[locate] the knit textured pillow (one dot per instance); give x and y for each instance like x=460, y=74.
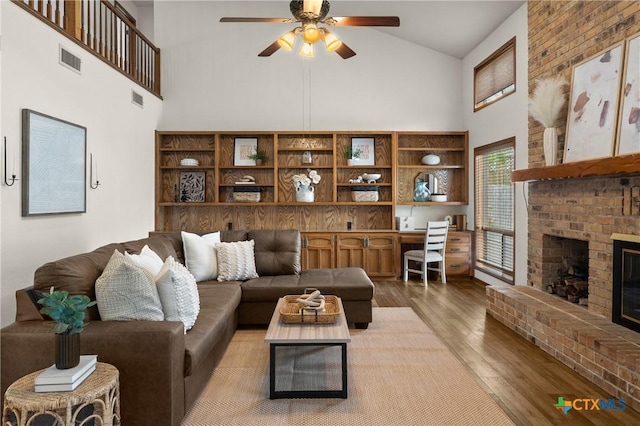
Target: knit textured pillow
x=178, y=293
x=125, y=291
x=236, y=261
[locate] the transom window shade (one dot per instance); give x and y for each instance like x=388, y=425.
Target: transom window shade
x=494, y=211
x=496, y=76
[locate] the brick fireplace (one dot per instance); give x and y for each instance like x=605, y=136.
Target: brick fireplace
x=583, y=209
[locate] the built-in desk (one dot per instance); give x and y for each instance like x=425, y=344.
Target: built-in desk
x=458, y=252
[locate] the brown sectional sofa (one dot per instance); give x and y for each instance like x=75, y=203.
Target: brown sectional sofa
x=162, y=369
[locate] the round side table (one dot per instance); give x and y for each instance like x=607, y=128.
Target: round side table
x=101, y=390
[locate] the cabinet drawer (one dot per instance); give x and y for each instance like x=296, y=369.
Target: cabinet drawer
x=459, y=238
x=457, y=248
x=457, y=266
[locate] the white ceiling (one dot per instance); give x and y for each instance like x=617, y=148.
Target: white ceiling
x=453, y=27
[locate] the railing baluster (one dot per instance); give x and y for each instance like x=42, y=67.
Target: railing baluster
x=57, y=14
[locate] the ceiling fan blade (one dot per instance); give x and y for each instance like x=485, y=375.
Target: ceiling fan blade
x=366, y=21
x=276, y=20
x=273, y=47
x=345, y=51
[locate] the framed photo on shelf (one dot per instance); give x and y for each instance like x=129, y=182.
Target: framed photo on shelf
x=629, y=120
x=53, y=165
x=192, y=185
x=593, y=106
x=366, y=147
x=243, y=149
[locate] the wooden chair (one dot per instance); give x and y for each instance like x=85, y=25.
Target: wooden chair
x=435, y=240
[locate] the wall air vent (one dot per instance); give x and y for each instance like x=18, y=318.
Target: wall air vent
x=69, y=60
x=137, y=99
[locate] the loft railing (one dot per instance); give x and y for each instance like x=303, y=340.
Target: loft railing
x=104, y=31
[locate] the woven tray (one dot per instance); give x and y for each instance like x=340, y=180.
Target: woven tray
x=291, y=312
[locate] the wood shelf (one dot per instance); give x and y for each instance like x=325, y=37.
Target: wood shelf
x=611, y=166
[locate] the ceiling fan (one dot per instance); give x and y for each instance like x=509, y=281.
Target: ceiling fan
x=310, y=13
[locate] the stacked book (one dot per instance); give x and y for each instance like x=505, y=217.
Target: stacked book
x=55, y=380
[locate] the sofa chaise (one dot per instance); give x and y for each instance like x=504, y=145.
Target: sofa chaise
x=162, y=368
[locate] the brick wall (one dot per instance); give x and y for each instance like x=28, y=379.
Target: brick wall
x=562, y=34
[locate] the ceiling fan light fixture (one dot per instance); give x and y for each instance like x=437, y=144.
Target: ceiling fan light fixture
x=306, y=50
x=287, y=40
x=332, y=42
x=310, y=33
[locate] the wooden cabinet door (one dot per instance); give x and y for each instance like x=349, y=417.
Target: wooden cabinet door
x=351, y=251
x=380, y=255
x=317, y=251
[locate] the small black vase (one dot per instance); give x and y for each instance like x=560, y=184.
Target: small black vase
x=67, y=350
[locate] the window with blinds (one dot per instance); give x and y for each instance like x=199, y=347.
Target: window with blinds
x=494, y=209
x=495, y=77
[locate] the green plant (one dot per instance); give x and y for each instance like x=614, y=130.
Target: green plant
x=67, y=311
x=351, y=153
x=259, y=155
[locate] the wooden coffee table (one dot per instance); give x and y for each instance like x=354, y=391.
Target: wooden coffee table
x=281, y=334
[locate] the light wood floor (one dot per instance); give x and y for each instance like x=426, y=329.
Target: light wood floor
x=525, y=381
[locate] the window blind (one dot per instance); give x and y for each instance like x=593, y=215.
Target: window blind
x=495, y=77
x=494, y=209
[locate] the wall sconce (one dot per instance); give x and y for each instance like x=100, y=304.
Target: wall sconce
x=13, y=176
x=97, y=184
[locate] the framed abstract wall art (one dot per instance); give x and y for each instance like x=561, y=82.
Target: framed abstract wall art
x=53, y=165
x=243, y=149
x=593, y=106
x=629, y=120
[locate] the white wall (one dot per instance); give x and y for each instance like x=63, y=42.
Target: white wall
x=119, y=134
x=214, y=80
x=503, y=119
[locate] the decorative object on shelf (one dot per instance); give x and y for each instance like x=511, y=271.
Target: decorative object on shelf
x=461, y=222
x=192, y=186
x=431, y=160
x=367, y=150
x=593, y=106
x=307, y=158
x=544, y=106
x=629, y=126
x=352, y=154
x=304, y=190
x=259, y=156
x=54, y=165
x=421, y=191
x=371, y=177
x=189, y=162
x=246, y=180
x=247, y=194
x=176, y=194
x=364, y=193
x=243, y=150
x=68, y=312
x=438, y=197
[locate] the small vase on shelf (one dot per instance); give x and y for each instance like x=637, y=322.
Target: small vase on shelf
x=421, y=193
x=550, y=146
x=305, y=194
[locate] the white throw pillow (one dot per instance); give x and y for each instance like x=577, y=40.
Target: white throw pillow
x=200, y=255
x=147, y=259
x=178, y=293
x=236, y=261
x=125, y=291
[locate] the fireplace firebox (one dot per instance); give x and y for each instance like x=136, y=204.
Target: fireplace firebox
x=626, y=281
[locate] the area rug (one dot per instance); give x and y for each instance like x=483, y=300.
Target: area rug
x=400, y=373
